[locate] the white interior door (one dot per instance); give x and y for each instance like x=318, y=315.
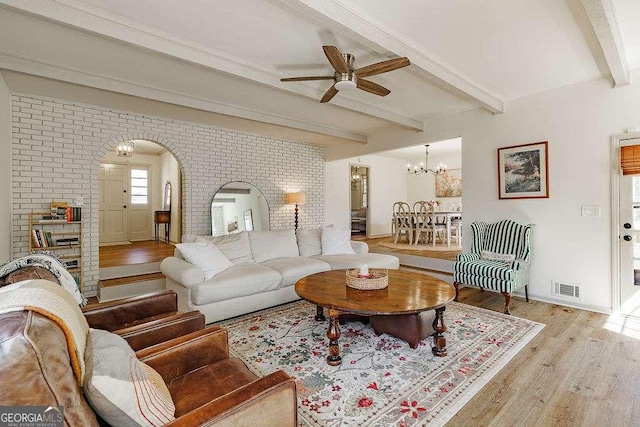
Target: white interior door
x=113, y=200
x=139, y=209
x=629, y=242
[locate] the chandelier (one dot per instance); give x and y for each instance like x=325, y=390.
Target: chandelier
x=424, y=167
x=355, y=174
x=125, y=149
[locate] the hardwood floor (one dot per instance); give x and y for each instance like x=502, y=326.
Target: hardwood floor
x=135, y=253
x=574, y=373
x=374, y=246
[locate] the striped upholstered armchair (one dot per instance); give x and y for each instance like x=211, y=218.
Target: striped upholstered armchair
x=499, y=259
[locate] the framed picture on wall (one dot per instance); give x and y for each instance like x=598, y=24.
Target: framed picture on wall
x=523, y=171
x=449, y=184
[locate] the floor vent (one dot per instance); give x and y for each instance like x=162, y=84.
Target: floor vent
x=567, y=290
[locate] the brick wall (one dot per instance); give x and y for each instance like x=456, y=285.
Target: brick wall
x=58, y=146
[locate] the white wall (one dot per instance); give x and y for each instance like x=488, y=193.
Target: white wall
x=388, y=184
x=170, y=171
x=5, y=172
x=578, y=122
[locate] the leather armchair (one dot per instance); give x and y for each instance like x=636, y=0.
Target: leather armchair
x=208, y=387
x=144, y=320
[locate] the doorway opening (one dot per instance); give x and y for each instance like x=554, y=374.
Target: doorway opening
x=359, y=200
x=132, y=191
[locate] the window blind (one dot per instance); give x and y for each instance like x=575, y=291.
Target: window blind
x=630, y=159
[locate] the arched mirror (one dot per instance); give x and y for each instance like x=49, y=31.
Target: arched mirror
x=238, y=206
x=167, y=197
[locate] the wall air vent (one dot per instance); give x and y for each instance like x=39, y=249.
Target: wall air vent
x=567, y=290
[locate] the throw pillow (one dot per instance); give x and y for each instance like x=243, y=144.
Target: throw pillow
x=336, y=241
x=207, y=256
x=495, y=256
x=118, y=386
x=268, y=245
x=309, y=241
x=234, y=246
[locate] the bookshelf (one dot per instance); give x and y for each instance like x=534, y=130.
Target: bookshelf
x=61, y=237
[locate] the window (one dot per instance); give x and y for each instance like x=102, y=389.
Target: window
x=139, y=187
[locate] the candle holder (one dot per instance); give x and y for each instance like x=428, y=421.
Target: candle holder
x=378, y=279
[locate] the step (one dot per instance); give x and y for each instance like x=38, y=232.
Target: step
x=128, y=270
x=124, y=287
x=434, y=264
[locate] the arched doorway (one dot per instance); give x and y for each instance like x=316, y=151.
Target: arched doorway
x=131, y=189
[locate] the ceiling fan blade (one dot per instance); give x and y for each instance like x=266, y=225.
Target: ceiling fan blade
x=300, y=79
x=335, y=58
x=382, y=67
x=372, y=87
x=329, y=94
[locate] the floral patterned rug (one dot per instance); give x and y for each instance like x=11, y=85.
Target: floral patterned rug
x=381, y=381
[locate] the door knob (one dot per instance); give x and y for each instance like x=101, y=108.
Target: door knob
x=627, y=238
x=627, y=225
x=125, y=206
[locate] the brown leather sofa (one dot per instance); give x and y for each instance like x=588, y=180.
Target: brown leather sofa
x=144, y=320
x=207, y=386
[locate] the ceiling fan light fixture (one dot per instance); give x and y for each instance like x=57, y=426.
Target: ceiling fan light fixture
x=345, y=85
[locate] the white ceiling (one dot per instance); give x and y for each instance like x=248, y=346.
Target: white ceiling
x=440, y=148
x=227, y=57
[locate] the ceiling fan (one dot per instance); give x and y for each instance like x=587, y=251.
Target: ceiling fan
x=347, y=78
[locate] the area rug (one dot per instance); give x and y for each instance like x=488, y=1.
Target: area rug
x=381, y=380
x=420, y=246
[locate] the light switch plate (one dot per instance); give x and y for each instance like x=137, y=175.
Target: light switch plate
x=591, y=210
x=78, y=201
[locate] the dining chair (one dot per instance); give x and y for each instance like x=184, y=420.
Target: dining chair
x=402, y=221
x=425, y=223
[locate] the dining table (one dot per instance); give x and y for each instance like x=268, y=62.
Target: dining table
x=448, y=216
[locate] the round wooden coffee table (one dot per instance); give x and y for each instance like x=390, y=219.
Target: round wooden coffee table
x=407, y=293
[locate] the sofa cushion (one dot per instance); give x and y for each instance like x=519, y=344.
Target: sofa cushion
x=206, y=256
x=222, y=377
x=267, y=245
x=309, y=241
x=234, y=246
x=238, y=281
x=295, y=268
x=118, y=387
x=336, y=241
x=340, y=262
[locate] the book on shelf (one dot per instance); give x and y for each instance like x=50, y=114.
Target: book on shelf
x=58, y=208
x=74, y=213
x=71, y=264
x=41, y=239
x=52, y=220
x=66, y=241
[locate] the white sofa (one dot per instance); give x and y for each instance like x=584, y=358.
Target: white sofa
x=266, y=265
